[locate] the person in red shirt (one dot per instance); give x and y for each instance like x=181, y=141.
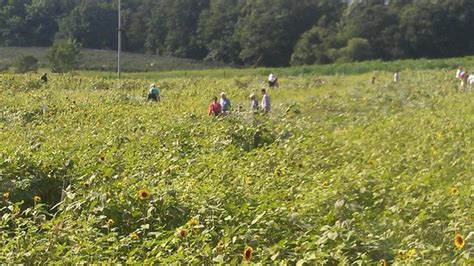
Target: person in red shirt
x=214, y=108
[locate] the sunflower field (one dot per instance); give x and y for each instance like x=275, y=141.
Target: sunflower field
x=342, y=171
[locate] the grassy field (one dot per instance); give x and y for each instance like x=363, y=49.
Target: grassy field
x=105, y=59
x=375, y=67
x=347, y=172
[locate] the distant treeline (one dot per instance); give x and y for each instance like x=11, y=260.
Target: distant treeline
x=250, y=32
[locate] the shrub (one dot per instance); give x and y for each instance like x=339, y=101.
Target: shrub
x=64, y=56
x=357, y=49
x=25, y=64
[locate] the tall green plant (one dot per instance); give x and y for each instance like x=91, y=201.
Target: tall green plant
x=64, y=56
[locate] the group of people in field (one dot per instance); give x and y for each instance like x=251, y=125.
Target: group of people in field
x=465, y=78
x=223, y=106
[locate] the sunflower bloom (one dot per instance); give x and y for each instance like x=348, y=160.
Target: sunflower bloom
x=248, y=254
x=383, y=262
x=411, y=253
x=402, y=254
x=6, y=196
x=110, y=222
x=454, y=190
x=182, y=233
x=220, y=246
x=193, y=222
x=248, y=180
x=143, y=194
x=37, y=199
x=134, y=236
x=459, y=241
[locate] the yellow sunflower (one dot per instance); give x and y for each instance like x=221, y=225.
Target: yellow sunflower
x=454, y=190
x=383, y=262
x=110, y=222
x=248, y=251
x=248, y=180
x=220, y=246
x=459, y=241
x=182, y=233
x=402, y=254
x=37, y=199
x=411, y=253
x=134, y=236
x=6, y=196
x=143, y=194
x=194, y=221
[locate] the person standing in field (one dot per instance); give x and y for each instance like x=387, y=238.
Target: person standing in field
x=273, y=81
x=225, y=103
x=464, y=79
x=154, y=93
x=44, y=78
x=470, y=79
x=266, y=105
x=253, y=103
x=214, y=107
x=396, y=76
x=459, y=71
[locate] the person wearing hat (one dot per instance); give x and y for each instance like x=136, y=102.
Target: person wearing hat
x=253, y=103
x=225, y=103
x=154, y=93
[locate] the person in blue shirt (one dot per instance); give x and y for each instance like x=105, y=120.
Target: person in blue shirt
x=225, y=103
x=154, y=93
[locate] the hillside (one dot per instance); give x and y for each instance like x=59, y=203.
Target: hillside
x=266, y=33
x=107, y=60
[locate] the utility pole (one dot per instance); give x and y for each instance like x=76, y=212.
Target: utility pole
x=119, y=46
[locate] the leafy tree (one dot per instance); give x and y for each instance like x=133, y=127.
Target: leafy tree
x=64, y=56
x=216, y=30
x=380, y=30
x=251, y=32
x=25, y=64
x=357, y=49
x=313, y=47
x=91, y=23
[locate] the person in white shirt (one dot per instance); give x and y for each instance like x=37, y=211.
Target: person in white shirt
x=470, y=79
x=396, y=76
x=272, y=80
x=458, y=72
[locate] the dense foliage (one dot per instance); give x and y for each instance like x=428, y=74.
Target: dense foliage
x=64, y=56
x=26, y=64
x=342, y=171
x=252, y=32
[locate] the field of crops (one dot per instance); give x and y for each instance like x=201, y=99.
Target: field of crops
x=338, y=173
